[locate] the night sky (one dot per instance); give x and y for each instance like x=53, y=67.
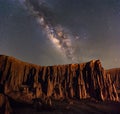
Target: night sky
x=48, y=32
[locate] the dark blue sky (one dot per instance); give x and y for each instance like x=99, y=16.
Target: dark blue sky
x=93, y=24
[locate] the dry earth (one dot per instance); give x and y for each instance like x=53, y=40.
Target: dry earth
x=73, y=107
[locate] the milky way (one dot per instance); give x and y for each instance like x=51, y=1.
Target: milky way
x=56, y=33
x=49, y=32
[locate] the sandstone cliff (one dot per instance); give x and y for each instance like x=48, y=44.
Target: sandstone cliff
x=79, y=81
x=115, y=76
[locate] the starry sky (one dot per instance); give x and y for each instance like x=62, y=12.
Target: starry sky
x=92, y=28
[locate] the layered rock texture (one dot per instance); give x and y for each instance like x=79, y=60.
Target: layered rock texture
x=79, y=81
x=115, y=76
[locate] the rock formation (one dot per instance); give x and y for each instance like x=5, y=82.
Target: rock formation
x=115, y=76
x=79, y=81
x=5, y=107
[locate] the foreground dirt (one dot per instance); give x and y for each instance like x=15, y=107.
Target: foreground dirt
x=73, y=107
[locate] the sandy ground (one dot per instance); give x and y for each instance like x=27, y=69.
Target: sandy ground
x=75, y=107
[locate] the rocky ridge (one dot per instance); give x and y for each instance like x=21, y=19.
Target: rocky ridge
x=79, y=81
x=115, y=76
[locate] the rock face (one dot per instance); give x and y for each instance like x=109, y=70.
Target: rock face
x=5, y=107
x=78, y=81
x=115, y=76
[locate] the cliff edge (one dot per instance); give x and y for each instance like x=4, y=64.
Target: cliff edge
x=79, y=81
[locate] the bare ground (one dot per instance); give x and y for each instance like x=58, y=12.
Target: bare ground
x=74, y=107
